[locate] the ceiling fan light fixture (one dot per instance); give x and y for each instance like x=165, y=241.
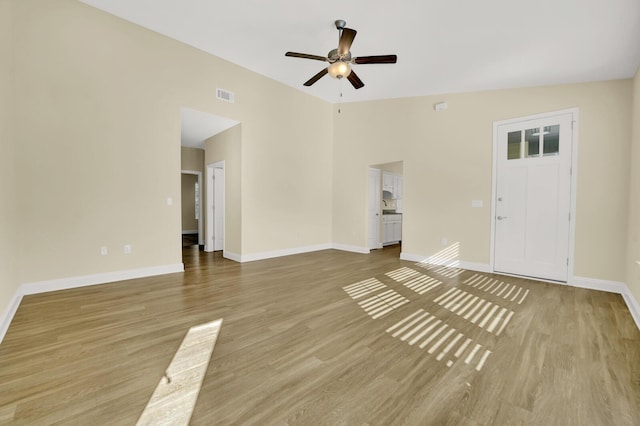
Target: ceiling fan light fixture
x=339, y=69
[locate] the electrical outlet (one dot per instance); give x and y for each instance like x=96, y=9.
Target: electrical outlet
x=444, y=241
x=127, y=249
x=104, y=251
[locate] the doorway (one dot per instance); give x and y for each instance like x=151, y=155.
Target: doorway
x=385, y=205
x=533, y=196
x=215, y=230
x=191, y=195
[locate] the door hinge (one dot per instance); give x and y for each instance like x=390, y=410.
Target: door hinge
x=567, y=261
x=569, y=216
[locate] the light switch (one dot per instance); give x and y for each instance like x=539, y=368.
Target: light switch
x=169, y=201
x=476, y=203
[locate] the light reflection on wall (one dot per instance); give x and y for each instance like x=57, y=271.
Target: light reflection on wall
x=449, y=256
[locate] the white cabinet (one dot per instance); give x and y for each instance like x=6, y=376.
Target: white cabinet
x=393, y=184
x=388, y=181
x=391, y=228
x=397, y=187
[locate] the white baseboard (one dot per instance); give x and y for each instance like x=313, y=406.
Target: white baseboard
x=633, y=306
x=475, y=266
x=9, y=313
x=353, y=249
x=80, y=281
x=611, y=287
x=288, y=252
x=279, y=253
x=107, y=277
x=412, y=257
x=231, y=256
x=601, y=285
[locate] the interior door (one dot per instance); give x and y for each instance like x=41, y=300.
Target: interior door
x=533, y=197
x=375, y=194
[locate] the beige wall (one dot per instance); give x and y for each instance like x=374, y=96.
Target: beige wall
x=8, y=177
x=633, y=253
x=286, y=173
x=225, y=147
x=188, y=203
x=192, y=159
x=99, y=102
x=448, y=163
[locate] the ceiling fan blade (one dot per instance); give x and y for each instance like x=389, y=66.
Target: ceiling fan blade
x=379, y=59
x=355, y=80
x=345, y=40
x=306, y=56
x=316, y=77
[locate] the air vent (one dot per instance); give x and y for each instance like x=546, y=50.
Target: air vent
x=225, y=95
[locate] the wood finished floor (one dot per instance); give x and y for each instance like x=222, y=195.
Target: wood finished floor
x=326, y=338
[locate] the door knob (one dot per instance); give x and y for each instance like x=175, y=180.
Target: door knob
x=501, y=217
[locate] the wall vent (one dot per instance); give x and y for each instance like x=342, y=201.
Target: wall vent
x=225, y=95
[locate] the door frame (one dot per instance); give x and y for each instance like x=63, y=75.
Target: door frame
x=200, y=220
x=209, y=245
x=371, y=203
x=573, y=183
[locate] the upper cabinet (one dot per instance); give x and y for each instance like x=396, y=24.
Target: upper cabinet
x=397, y=187
x=393, y=184
x=388, y=181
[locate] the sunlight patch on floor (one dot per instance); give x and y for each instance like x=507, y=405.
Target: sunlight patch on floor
x=383, y=303
x=174, y=399
x=507, y=291
x=363, y=288
x=430, y=333
x=476, y=310
x=414, y=280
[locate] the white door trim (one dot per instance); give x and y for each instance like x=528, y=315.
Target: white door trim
x=374, y=204
x=574, y=175
x=210, y=203
x=199, y=174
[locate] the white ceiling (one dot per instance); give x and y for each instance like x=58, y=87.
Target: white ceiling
x=197, y=126
x=442, y=46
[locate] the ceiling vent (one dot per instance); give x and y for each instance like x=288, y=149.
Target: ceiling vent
x=225, y=95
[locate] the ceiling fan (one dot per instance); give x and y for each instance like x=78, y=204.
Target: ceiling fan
x=340, y=59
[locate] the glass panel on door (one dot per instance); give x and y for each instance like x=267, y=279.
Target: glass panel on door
x=532, y=142
x=513, y=145
x=551, y=140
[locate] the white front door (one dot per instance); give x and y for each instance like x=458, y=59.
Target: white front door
x=533, y=197
x=374, y=209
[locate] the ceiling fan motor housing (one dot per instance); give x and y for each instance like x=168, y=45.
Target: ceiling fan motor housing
x=334, y=56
